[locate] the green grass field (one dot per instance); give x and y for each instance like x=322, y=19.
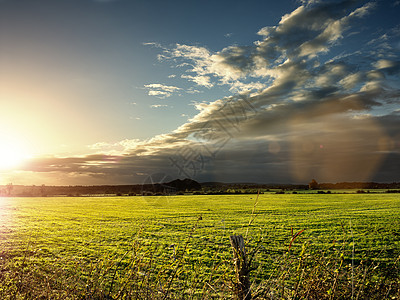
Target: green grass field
x=178, y=246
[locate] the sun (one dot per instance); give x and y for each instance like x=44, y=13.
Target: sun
x=12, y=153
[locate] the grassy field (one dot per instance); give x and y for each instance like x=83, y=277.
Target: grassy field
x=178, y=247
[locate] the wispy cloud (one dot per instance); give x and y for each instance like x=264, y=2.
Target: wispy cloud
x=199, y=80
x=158, y=105
x=161, y=90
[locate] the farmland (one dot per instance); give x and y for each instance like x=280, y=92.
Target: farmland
x=178, y=246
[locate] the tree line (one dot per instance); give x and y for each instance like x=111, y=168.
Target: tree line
x=182, y=186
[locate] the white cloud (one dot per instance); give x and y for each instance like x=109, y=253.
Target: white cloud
x=364, y=10
x=384, y=63
x=158, y=105
x=161, y=90
x=241, y=87
x=190, y=52
x=118, y=148
x=168, y=88
x=199, y=80
x=156, y=45
x=99, y=145
x=350, y=81
x=162, y=94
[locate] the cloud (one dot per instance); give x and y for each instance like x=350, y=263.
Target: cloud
x=161, y=90
x=199, y=80
x=292, y=81
x=313, y=28
x=295, y=114
x=193, y=91
x=158, y=105
x=153, y=44
x=118, y=148
x=312, y=143
x=164, y=91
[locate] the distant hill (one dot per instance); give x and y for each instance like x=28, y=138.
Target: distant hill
x=185, y=184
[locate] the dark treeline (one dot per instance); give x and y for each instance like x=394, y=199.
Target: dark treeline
x=180, y=187
x=172, y=187
x=359, y=185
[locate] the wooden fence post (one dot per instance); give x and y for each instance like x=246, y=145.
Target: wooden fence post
x=242, y=289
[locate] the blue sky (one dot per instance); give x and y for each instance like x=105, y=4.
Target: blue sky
x=112, y=92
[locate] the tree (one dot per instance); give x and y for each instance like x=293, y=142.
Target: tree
x=43, y=190
x=9, y=188
x=313, y=185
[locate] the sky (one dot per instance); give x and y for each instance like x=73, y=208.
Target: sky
x=126, y=92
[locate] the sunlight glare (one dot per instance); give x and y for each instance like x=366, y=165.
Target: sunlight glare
x=12, y=152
